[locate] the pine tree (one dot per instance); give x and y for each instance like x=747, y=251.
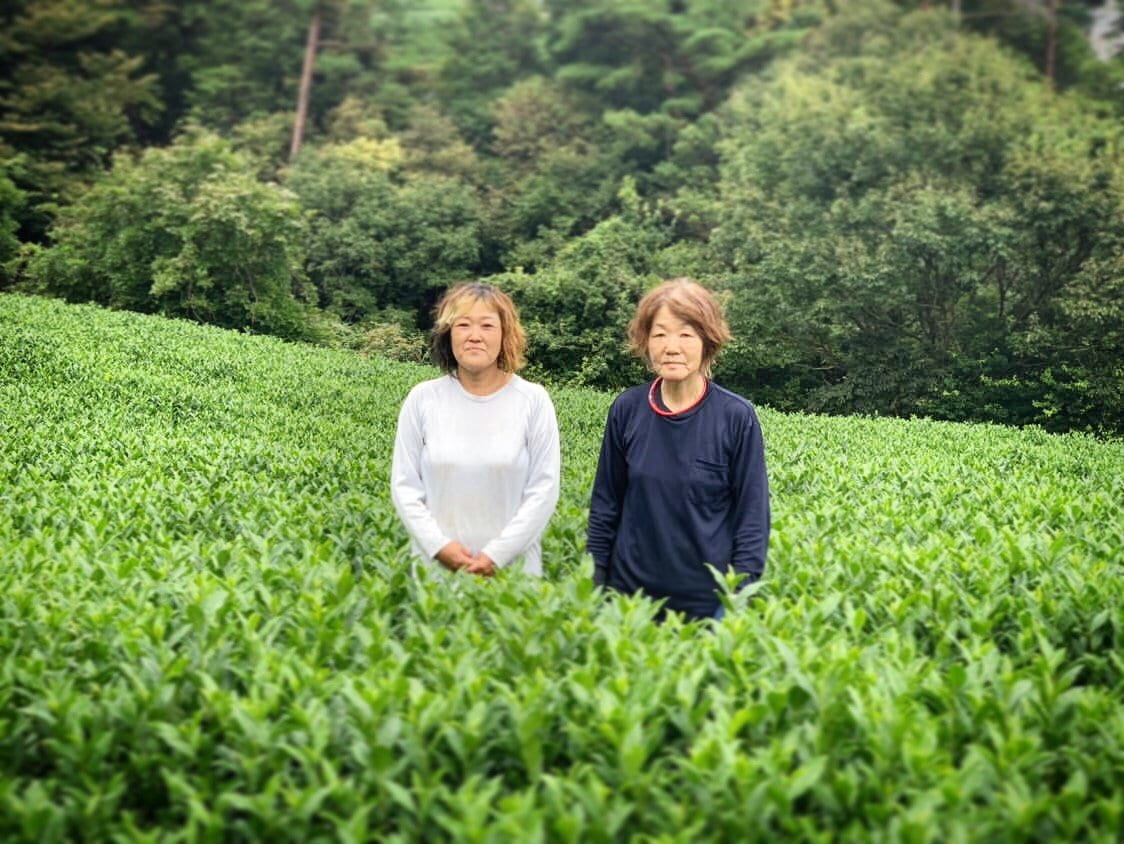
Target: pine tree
x=69, y=96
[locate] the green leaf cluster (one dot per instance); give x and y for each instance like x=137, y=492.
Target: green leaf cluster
x=380, y=235
x=72, y=91
x=184, y=231
x=909, y=226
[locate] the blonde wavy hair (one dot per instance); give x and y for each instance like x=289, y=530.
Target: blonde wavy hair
x=456, y=302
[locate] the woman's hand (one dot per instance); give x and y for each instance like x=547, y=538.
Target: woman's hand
x=482, y=565
x=454, y=556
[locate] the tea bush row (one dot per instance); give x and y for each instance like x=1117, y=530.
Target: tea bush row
x=209, y=630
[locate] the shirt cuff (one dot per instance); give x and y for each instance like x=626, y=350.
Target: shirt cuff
x=499, y=559
x=433, y=545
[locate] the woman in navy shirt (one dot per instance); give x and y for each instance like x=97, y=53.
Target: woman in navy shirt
x=681, y=479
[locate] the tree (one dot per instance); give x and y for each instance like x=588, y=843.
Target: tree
x=907, y=225
x=549, y=182
x=12, y=202
x=492, y=45
x=306, y=83
x=184, y=231
x=1052, y=34
x=644, y=74
x=576, y=309
x=242, y=59
x=433, y=144
x=677, y=57
x=69, y=96
x=380, y=237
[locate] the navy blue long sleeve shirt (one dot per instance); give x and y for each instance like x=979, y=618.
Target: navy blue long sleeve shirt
x=673, y=493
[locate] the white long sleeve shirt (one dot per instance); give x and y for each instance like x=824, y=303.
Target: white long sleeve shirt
x=481, y=470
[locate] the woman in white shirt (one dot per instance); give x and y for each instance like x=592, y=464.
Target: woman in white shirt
x=476, y=467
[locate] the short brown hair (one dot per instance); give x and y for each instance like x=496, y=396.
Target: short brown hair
x=459, y=300
x=693, y=304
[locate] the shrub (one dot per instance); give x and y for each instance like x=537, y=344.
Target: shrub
x=184, y=231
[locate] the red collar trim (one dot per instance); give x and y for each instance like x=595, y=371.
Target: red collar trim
x=652, y=399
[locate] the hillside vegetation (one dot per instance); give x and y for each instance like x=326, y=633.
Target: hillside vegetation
x=208, y=630
x=912, y=207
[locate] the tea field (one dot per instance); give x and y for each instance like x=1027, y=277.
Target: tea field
x=209, y=632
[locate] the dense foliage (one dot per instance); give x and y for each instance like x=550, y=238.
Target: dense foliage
x=916, y=226
x=209, y=629
x=187, y=231
x=913, y=211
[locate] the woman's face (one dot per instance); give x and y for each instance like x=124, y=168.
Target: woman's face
x=476, y=338
x=674, y=347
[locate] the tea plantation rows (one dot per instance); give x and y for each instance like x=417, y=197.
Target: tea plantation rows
x=208, y=630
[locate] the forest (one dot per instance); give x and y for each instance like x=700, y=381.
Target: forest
x=910, y=208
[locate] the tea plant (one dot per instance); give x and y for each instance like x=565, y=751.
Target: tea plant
x=208, y=629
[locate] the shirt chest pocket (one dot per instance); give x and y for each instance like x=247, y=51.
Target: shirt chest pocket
x=709, y=485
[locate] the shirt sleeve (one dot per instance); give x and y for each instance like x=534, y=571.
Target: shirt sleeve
x=540, y=495
x=609, y=487
x=751, y=502
x=406, y=488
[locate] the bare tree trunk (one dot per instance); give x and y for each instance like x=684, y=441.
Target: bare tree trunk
x=1051, y=40
x=955, y=6
x=306, y=84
